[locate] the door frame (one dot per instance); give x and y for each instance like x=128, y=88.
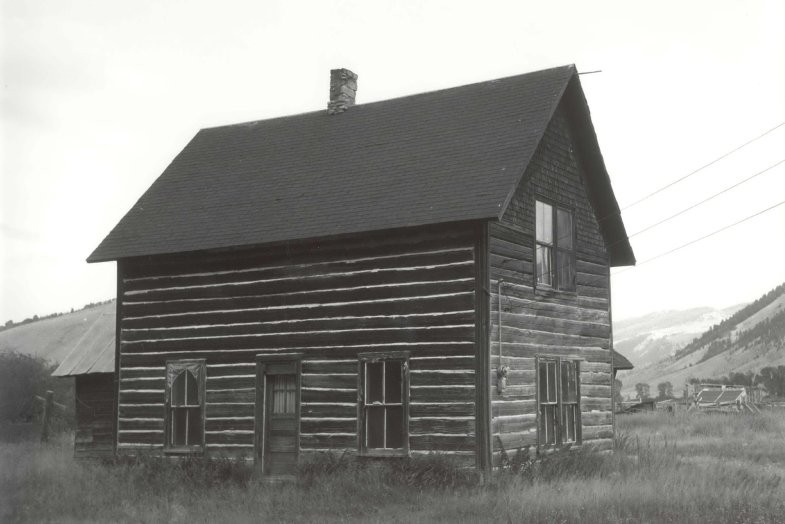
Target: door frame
x=264, y=364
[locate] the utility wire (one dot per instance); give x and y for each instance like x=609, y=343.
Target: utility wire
x=701, y=238
x=701, y=202
x=685, y=177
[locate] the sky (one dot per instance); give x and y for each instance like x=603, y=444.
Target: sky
x=98, y=97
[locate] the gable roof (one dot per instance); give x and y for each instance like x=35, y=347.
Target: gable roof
x=444, y=156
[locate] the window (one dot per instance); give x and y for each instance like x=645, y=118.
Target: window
x=554, y=244
x=384, y=404
x=558, y=401
x=185, y=405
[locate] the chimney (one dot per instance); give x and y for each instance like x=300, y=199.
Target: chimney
x=343, y=88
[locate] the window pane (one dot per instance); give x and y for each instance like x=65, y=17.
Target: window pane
x=392, y=381
x=551, y=381
x=544, y=220
x=284, y=388
x=544, y=274
x=194, y=427
x=179, y=423
x=565, y=267
x=569, y=423
x=373, y=382
x=543, y=380
x=395, y=427
x=178, y=390
x=568, y=382
x=564, y=228
x=374, y=427
x=547, y=425
x=191, y=389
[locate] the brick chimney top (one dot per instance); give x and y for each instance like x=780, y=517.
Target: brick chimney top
x=343, y=89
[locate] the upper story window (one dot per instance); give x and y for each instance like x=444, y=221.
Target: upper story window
x=384, y=401
x=185, y=381
x=555, y=247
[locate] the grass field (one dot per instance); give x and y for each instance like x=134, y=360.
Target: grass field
x=683, y=468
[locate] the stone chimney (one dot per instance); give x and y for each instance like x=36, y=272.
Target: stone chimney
x=343, y=88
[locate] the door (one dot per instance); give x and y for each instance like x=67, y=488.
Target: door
x=278, y=417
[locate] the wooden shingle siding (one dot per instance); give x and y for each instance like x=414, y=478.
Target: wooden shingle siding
x=329, y=301
x=538, y=321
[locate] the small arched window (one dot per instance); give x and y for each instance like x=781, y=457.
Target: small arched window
x=185, y=405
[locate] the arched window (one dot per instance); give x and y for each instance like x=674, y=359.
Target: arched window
x=185, y=405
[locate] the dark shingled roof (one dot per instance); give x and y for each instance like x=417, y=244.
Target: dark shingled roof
x=443, y=156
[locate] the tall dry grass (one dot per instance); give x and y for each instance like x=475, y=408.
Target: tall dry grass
x=682, y=468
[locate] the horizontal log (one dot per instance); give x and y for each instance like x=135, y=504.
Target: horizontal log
x=141, y=396
x=140, y=437
x=510, y=233
x=329, y=366
x=423, y=394
x=461, y=378
x=462, y=425
x=414, y=292
x=512, y=441
x=513, y=407
x=516, y=377
x=297, y=340
x=238, y=453
x=330, y=381
x=520, y=273
x=230, y=409
x=531, y=350
x=448, y=409
x=519, y=392
x=565, y=326
x=284, y=270
x=141, y=411
x=217, y=438
x=144, y=372
x=247, y=367
x=550, y=296
x=513, y=334
x=328, y=395
x=518, y=363
x=595, y=391
x=300, y=326
x=592, y=268
x=514, y=424
x=321, y=410
x=229, y=423
x=439, y=443
x=125, y=424
x=423, y=363
x=595, y=404
x=328, y=425
x=600, y=366
x=591, y=291
x=462, y=348
x=231, y=382
x=595, y=378
x=587, y=279
x=508, y=249
x=518, y=306
x=596, y=418
x=328, y=441
x=246, y=395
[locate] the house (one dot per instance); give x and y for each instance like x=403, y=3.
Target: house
x=719, y=397
x=423, y=274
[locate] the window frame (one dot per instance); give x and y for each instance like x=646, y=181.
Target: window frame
x=401, y=357
x=560, y=402
x=554, y=248
x=175, y=368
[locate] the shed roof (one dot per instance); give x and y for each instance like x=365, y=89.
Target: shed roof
x=443, y=156
x=94, y=352
x=620, y=361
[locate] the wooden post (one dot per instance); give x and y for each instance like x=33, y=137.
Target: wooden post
x=48, y=405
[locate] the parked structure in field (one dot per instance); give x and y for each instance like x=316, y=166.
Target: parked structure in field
x=720, y=397
x=423, y=274
x=91, y=362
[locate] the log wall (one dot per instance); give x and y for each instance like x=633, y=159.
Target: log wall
x=94, y=411
x=413, y=291
x=537, y=321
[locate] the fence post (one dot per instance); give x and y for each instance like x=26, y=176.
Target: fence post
x=48, y=405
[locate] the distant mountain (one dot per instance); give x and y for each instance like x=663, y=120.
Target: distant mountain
x=745, y=340
x=54, y=337
x=653, y=337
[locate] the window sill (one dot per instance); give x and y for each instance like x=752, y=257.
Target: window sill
x=384, y=453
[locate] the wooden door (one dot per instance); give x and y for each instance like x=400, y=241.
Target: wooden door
x=278, y=422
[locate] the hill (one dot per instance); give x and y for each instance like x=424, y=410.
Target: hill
x=750, y=339
x=54, y=337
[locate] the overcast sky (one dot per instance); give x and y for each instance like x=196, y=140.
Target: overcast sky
x=98, y=97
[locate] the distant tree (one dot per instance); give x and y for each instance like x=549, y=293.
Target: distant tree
x=664, y=390
x=22, y=378
x=617, y=385
x=643, y=390
x=773, y=380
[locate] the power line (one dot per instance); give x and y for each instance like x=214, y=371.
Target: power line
x=698, y=170
x=702, y=238
x=701, y=202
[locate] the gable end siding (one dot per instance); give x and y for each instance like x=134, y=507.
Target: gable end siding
x=326, y=300
x=545, y=322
